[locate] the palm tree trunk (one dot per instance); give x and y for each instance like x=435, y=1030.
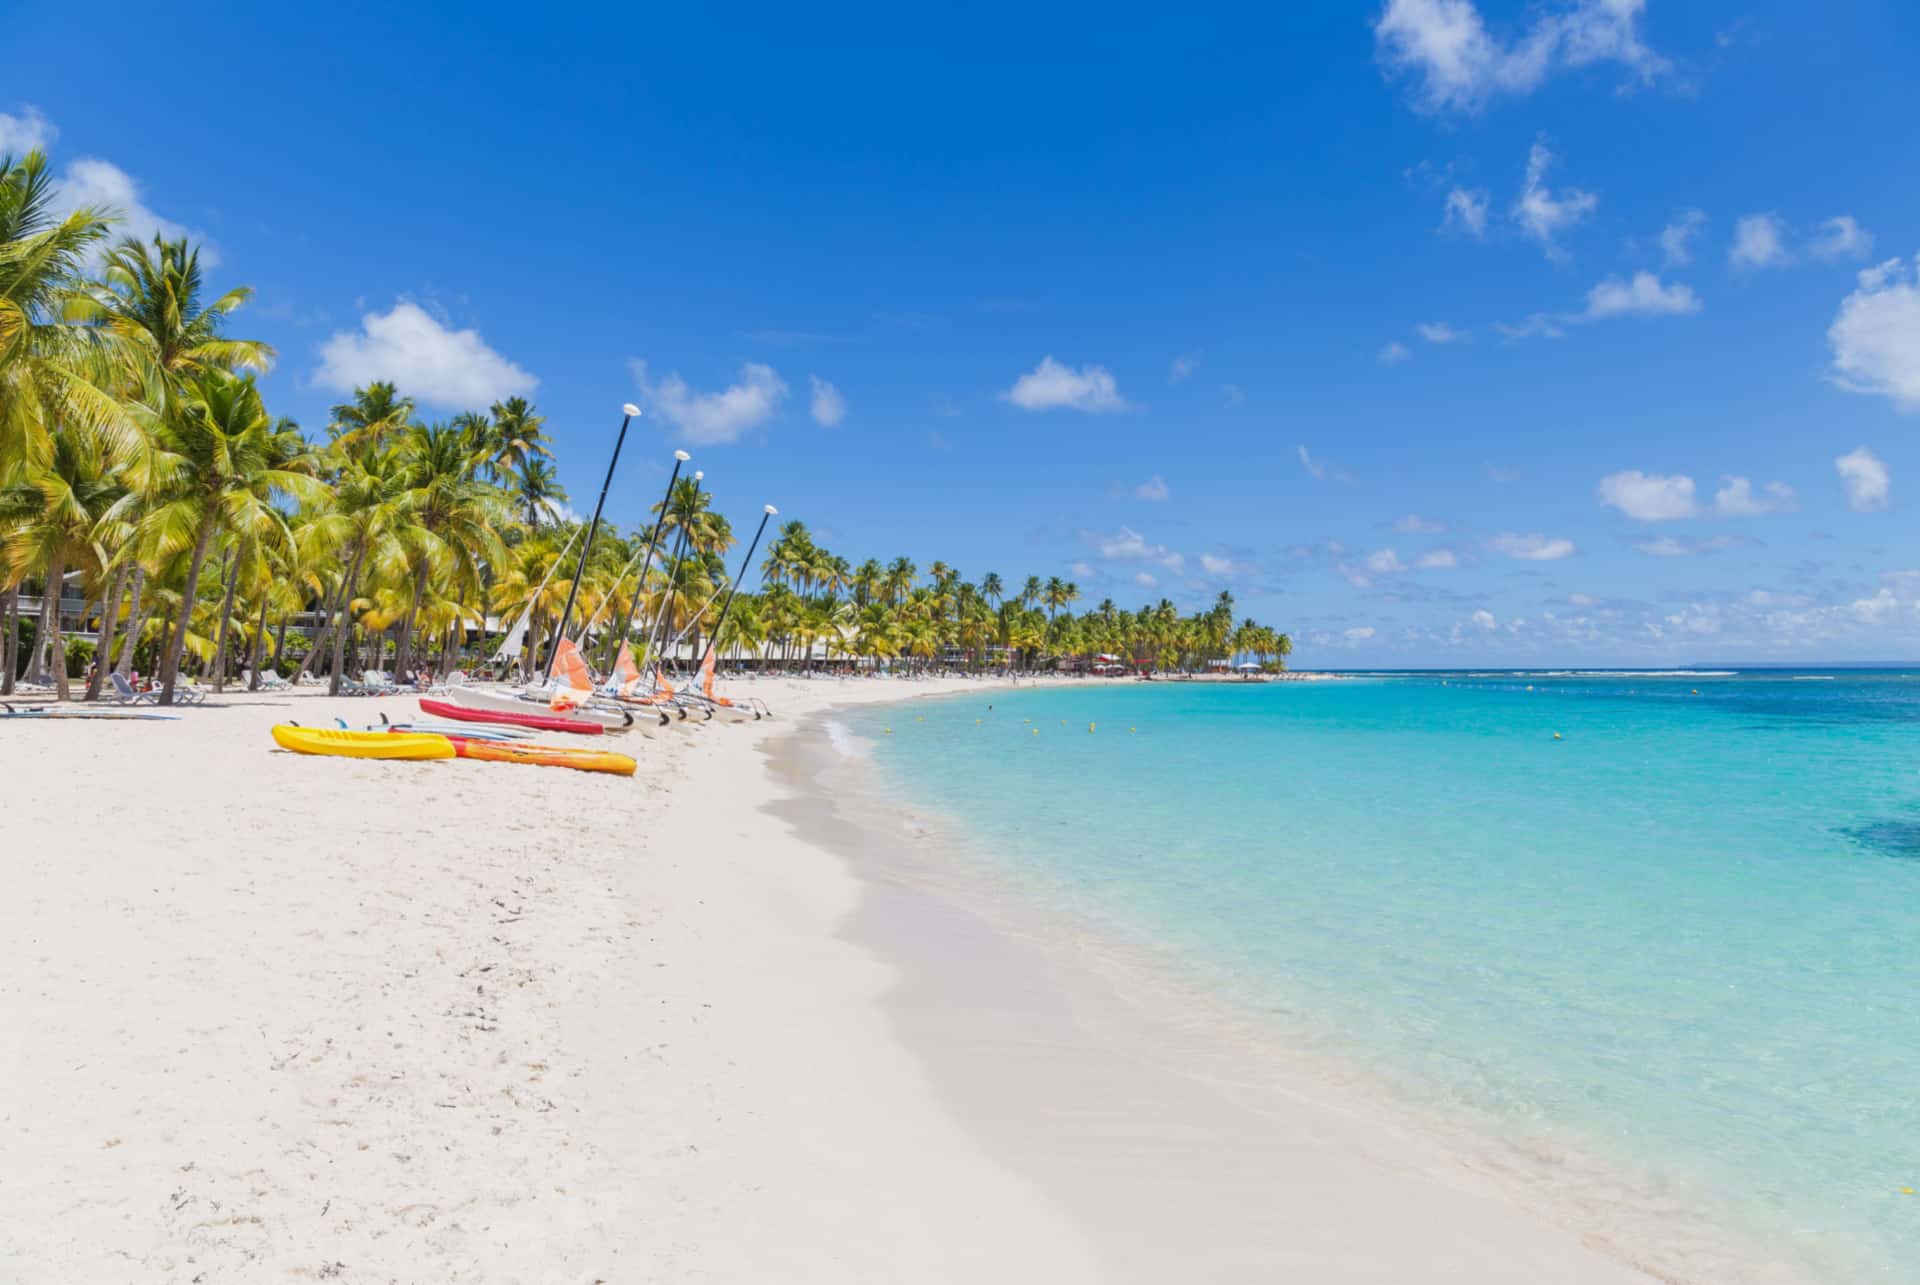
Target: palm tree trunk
x=10, y=641
x=56, y=647
x=259, y=645
x=109, y=629
x=226, y=622
x=170, y=669
x=135, y=623
x=49, y=596
x=341, y=624
x=403, y=655
x=280, y=640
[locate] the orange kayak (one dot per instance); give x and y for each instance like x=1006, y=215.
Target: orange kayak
x=583, y=760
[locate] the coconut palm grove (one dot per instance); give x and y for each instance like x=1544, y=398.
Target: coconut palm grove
x=206, y=536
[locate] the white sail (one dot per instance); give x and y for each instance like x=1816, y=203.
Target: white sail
x=516, y=639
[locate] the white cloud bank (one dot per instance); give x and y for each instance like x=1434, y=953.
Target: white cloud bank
x=1736, y=498
x=1392, y=353
x=1868, y=485
x=1460, y=65
x=1154, y=488
x=27, y=132
x=1533, y=547
x=1541, y=212
x=1648, y=497
x=1466, y=212
x=705, y=419
x=410, y=347
x=829, y=405
x=1052, y=386
x=1642, y=295
x=1876, y=336
x=1759, y=241
x=1676, y=239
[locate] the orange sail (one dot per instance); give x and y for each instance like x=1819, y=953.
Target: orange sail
x=575, y=679
x=623, y=667
x=706, y=681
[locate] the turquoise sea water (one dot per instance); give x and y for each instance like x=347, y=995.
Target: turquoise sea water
x=1684, y=938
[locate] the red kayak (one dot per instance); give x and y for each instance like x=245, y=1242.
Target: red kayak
x=545, y=722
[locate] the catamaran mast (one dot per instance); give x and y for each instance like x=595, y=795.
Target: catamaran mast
x=631, y=413
x=713, y=640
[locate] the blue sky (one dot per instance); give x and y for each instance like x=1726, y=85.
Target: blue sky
x=1441, y=332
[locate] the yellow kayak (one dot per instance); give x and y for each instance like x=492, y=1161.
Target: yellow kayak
x=362, y=745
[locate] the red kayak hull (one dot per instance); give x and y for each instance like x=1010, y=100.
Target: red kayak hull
x=545, y=722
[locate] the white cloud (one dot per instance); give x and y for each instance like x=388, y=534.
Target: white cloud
x=1485, y=619
x=1183, y=365
x=1128, y=545
x=1866, y=480
x=1737, y=499
x=1231, y=395
x=1466, y=211
x=1670, y=546
x=27, y=132
x=1543, y=215
x=1144, y=579
x=1392, y=353
x=410, y=347
x=1461, y=65
x=829, y=404
x=705, y=419
x=1154, y=488
x=1383, y=562
x=1533, y=547
x=1214, y=566
x=1676, y=239
x=90, y=181
x=1649, y=497
x=1414, y=524
x=1842, y=237
x=1082, y=569
x=1359, y=633
x=1437, y=560
x=1050, y=386
x=1643, y=296
x=1876, y=336
x=1759, y=241
x=1439, y=332
x=1320, y=470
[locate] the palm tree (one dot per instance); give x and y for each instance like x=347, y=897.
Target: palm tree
x=52, y=520
x=150, y=296
x=538, y=491
x=452, y=535
x=216, y=465
x=990, y=587
x=52, y=369
x=514, y=437
x=377, y=413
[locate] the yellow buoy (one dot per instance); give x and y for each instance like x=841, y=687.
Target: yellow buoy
x=1091, y=726
x=1036, y=731
x=889, y=731
x=1133, y=729
x=1556, y=736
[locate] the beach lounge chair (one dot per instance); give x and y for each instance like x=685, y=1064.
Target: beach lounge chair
x=188, y=692
x=123, y=693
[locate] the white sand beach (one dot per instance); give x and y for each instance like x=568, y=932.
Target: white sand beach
x=281, y=1018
